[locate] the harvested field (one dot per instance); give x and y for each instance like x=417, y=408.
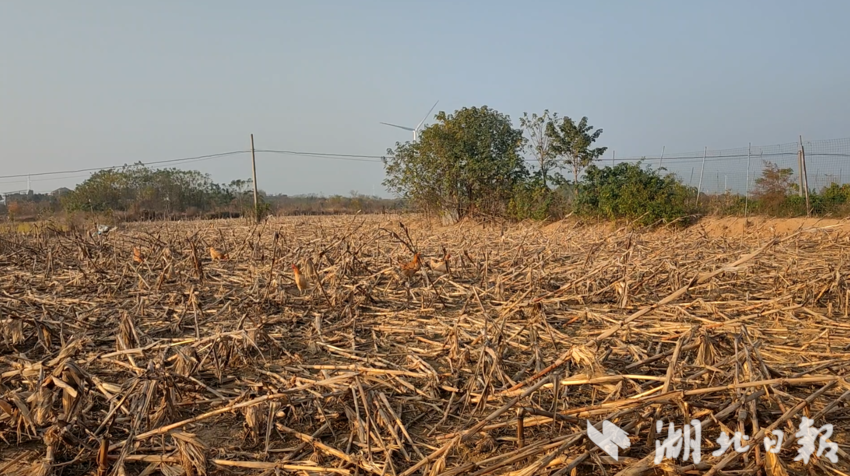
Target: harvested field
x=180, y=364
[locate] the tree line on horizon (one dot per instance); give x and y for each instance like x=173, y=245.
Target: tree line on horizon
x=136, y=192
x=470, y=163
x=474, y=162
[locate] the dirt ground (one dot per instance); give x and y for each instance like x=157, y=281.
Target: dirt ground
x=736, y=226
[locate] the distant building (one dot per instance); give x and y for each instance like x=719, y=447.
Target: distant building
x=60, y=192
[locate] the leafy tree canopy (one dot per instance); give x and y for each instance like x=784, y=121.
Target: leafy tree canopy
x=572, y=142
x=469, y=160
x=539, y=143
x=136, y=187
x=629, y=191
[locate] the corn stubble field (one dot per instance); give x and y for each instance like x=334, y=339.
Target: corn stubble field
x=180, y=364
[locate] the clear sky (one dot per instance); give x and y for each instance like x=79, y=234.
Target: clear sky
x=97, y=83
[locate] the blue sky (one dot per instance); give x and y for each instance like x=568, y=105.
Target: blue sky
x=98, y=83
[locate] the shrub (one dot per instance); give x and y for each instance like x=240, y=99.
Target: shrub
x=835, y=197
x=773, y=192
x=776, y=194
x=533, y=199
x=14, y=209
x=530, y=200
x=629, y=191
x=724, y=204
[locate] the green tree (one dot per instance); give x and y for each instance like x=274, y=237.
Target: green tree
x=540, y=144
x=243, y=196
x=573, y=143
x=466, y=161
x=138, y=188
x=104, y=190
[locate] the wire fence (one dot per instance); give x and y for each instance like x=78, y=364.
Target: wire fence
x=713, y=171
x=731, y=170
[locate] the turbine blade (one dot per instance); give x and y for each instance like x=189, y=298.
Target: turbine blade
x=400, y=127
x=426, y=115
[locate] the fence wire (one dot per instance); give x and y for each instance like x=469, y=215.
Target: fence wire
x=730, y=170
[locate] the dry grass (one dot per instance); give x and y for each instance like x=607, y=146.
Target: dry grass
x=28, y=227
x=183, y=365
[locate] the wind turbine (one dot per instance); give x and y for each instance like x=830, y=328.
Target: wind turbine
x=416, y=129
